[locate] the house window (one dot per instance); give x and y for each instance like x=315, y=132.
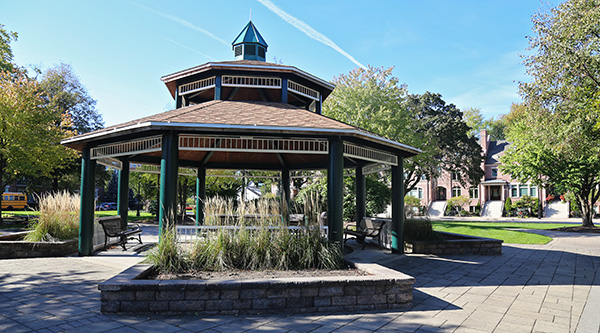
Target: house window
x=455, y=176
x=494, y=172
x=514, y=191
x=424, y=177
x=523, y=190
x=533, y=191
x=474, y=193
x=456, y=192
x=417, y=192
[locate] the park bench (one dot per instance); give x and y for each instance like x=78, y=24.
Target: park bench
x=112, y=228
x=368, y=227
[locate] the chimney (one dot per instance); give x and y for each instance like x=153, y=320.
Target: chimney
x=484, y=141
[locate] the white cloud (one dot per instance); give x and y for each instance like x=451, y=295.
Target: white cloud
x=308, y=30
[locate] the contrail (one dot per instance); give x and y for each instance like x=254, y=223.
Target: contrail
x=186, y=47
x=184, y=23
x=308, y=30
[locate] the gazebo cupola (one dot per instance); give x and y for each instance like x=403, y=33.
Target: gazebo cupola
x=250, y=45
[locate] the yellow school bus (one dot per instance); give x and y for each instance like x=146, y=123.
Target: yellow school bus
x=14, y=200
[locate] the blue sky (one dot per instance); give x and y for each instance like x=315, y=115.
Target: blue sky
x=468, y=51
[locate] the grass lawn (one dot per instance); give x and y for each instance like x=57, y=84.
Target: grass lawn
x=498, y=230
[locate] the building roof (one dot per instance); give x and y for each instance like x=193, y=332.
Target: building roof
x=241, y=116
x=495, y=151
x=244, y=65
x=249, y=35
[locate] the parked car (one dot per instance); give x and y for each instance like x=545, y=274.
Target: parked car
x=107, y=206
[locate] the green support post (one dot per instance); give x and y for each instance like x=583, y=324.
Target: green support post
x=285, y=184
x=200, y=195
x=86, y=212
x=218, y=88
x=335, y=190
x=123, y=194
x=361, y=194
x=284, y=90
x=168, y=180
x=398, y=207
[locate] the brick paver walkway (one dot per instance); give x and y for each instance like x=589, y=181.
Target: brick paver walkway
x=549, y=288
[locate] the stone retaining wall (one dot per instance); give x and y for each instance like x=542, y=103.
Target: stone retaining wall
x=457, y=244
x=11, y=248
x=383, y=289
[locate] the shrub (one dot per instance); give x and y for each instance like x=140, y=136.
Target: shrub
x=269, y=246
x=410, y=203
x=419, y=230
x=508, y=206
x=458, y=202
x=58, y=220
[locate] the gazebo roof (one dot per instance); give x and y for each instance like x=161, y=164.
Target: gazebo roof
x=249, y=117
x=249, y=35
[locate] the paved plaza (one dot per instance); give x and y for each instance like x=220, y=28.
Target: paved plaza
x=529, y=288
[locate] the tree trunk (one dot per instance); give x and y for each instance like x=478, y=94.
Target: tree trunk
x=587, y=212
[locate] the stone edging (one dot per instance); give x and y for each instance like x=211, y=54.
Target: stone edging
x=11, y=248
x=384, y=289
x=457, y=244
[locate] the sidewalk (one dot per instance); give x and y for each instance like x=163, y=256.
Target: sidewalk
x=546, y=288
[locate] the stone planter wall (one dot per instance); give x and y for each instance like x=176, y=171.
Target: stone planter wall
x=12, y=248
x=457, y=244
x=384, y=289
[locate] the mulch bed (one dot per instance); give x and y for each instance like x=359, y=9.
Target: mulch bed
x=268, y=274
x=580, y=229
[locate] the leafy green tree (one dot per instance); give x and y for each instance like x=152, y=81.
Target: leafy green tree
x=457, y=203
x=447, y=144
x=67, y=96
x=6, y=54
x=556, y=139
x=374, y=100
x=29, y=143
x=474, y=120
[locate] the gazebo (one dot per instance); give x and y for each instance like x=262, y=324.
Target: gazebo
x=243, y=114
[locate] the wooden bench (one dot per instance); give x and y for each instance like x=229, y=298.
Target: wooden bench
x=368, y=227
x=112, y=228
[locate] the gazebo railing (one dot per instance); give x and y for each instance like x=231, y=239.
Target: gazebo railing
x=191, y=233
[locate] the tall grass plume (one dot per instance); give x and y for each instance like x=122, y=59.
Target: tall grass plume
x=58, y=220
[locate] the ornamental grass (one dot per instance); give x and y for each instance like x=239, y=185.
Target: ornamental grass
x=259, y=241
x=58, y=219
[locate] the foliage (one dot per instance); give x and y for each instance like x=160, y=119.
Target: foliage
x=269, y=246
x=374, y=100
x=473, y=119
x=508, y=206
x=29, y=143
x=226, y=187
x=457, y=203
x=6, y=54
x=65, y=94
x=411, y=202
x=58, y=219
x=168, y=256
x=419, y=229
x=556, y=140
x=112, y=188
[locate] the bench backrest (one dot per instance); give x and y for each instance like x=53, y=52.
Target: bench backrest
x=372, y=226
x=111, y=225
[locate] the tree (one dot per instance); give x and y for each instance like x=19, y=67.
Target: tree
x=64, y=93
x=457, y=203
x=447, y=144
x=374, y=100
x=474, y=120
x=29, y=143
x=556, y=140
x=6, y=55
